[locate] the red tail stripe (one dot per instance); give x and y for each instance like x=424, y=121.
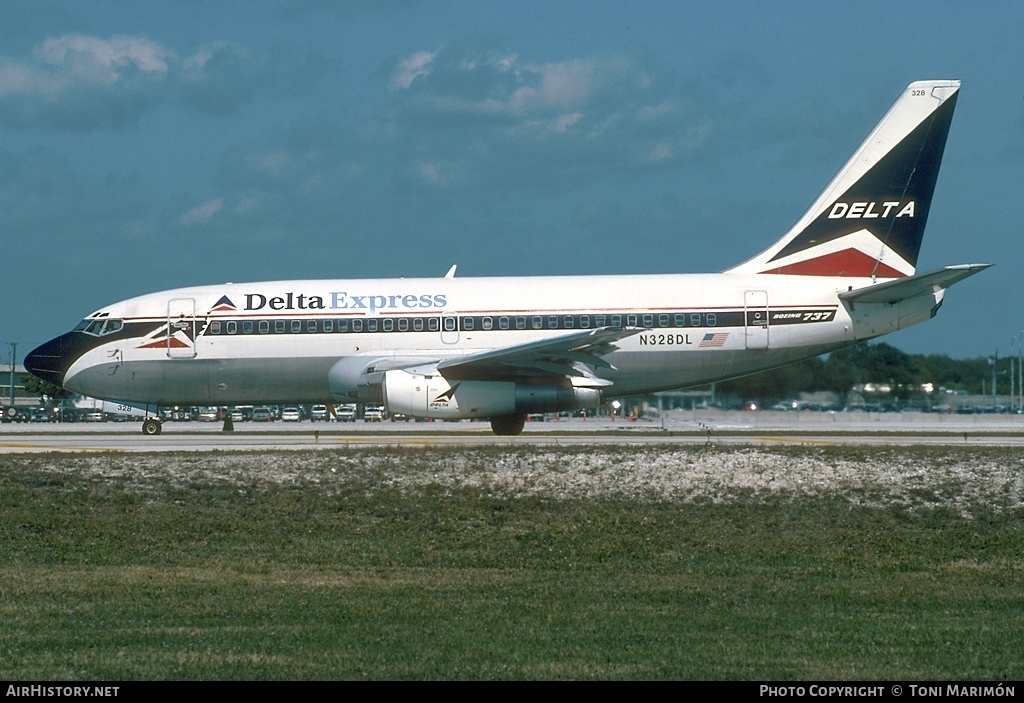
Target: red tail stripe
x=849, y=262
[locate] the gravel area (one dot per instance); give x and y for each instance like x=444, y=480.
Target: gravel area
x=969, y=480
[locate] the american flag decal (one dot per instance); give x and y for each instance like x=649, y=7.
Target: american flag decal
x=715, y=339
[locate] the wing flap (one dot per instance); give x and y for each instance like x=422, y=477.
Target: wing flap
x=566, y=355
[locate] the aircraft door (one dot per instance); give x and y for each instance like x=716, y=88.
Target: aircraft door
x=450, y=329
x=181, y=328
x=755, y=314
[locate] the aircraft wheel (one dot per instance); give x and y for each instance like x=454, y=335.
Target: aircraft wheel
x=151, y=427
x=508, y=425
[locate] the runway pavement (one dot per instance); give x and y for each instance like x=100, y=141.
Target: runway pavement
x=716, y=427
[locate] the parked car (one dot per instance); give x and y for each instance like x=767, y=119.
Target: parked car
x=11, y=414
x=261, y=415
x=319, y=412
x=346, y=412
x=374, y=413
x=290, y=414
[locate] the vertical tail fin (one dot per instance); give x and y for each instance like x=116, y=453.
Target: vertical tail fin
x=870, y=219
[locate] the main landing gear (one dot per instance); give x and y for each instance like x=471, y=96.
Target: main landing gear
x=508, y=425
x=152, y=426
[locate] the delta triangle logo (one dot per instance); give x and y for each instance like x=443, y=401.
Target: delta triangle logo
x=166, y=339
x=446, y=397
x=224, y=305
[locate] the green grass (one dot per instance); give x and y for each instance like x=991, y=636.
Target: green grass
x=143, y=573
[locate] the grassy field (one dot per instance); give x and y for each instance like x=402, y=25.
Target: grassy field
x=514, y=563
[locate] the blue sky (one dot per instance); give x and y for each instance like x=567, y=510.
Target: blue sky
x=154, y=145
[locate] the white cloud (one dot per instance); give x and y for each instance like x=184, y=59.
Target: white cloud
x=561, y=86
x=202, y=213
x=607, y=108
x=475, y=81
x=76, y=61
x=83, y=82
x=437, y=174
x=412, y=68
x=104, y=60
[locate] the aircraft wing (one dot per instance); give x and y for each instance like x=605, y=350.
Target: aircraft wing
x=565, y=355
x=903, y=288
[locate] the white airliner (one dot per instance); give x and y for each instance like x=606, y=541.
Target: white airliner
x=500, y=348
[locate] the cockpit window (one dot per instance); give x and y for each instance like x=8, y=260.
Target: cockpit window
x=99, y=328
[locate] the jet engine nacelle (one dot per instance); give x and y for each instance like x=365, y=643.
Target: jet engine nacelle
x=432, y=395
x=359, y=378
x=355, y=378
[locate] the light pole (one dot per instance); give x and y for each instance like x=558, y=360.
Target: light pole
x=14, y=355
x=992, y=366
x=1013, y=388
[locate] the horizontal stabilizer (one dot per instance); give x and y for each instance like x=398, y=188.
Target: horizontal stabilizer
x=903, y=288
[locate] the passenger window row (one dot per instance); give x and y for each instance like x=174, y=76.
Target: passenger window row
x=470, y=323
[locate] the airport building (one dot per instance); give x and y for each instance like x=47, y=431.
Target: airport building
x=19, y=398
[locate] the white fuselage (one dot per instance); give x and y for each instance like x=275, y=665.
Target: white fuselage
x=277, y=342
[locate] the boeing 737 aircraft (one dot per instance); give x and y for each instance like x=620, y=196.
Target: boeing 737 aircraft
x=500, y=348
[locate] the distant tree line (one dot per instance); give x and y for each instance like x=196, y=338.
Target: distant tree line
x=870, y=363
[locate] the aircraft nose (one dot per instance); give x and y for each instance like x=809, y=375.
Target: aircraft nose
x=49, y=361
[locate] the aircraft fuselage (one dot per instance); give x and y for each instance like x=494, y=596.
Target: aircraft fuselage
x=277, y=342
